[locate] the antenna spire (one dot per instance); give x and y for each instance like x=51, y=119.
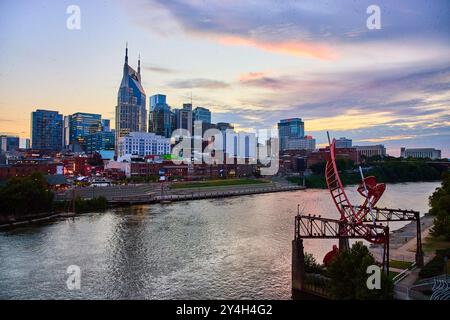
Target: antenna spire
x=126, y=54
x=139, y=64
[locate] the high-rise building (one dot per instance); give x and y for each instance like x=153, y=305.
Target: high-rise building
x=46, y=130
x=223, y=126
x=25, y=143
x=131, y=114
x=343, y=143
x=161, y=120
x=201, y=114
x=157, y=99
x=290, y=129
x=421, y=153
x=9, y=143
x=100, y=141
x=183, y=118
x=106, y=125
x=143, y=144
x=80, y=125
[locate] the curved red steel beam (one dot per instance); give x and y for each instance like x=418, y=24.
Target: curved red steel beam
x=343, y=205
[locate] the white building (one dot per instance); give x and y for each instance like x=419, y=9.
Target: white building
x=306, y=143
x=370, y=151
x=142, y=144
x=241, y=145
x=343, y=143
x=422, y=153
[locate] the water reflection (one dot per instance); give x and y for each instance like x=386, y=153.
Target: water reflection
x=236, y=248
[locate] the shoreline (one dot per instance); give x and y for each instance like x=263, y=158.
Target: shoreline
x=36, y=219
x=150, y=199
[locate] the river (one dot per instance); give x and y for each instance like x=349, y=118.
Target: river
x=234, y=248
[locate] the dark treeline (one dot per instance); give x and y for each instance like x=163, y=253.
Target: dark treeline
x=388, y=171
x=29, y=196
x=26, y=196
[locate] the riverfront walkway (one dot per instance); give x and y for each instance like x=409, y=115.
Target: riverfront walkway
x=403, y=248
x=157, y=192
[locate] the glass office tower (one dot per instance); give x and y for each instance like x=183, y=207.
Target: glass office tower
x=202, y=114
x=46, y=130
x=290, y=129
x=161, y=119
x=131, y=114
x=81, y=125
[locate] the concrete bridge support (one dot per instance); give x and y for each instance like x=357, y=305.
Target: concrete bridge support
x=298, y=265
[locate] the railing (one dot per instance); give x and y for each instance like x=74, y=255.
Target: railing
x=324, y=228
x=402, y=275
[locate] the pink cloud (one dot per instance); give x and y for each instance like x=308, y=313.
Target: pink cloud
x=290, y=47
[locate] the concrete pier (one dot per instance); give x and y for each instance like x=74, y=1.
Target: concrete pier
x=298, y=265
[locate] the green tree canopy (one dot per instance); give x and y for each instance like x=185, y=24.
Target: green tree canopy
x=27, y=195
x=440, y=208
x=348, y=274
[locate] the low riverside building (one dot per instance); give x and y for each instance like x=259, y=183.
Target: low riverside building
x=142, y=144
x=24, y=170
x=305, y=143
x=421, y=153
x=371, y=151
x=140, y=167
x=323, y=155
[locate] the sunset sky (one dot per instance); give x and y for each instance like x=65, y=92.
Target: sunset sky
x=250, y=62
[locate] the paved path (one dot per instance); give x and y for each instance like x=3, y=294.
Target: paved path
x=402, y=242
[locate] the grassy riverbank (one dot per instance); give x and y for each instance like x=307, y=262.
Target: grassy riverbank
x=217, y=183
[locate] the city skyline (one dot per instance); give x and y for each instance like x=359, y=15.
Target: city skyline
x=387, y=86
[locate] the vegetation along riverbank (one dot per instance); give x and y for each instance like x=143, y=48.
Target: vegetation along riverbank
x=388, y=170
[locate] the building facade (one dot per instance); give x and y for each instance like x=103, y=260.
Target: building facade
x=421, y=153
x=161, y=119
x=9, y=143
x=305, y=143
x=290, y=129
x=131, y=114
x=46, y=130
x=80, y=125
x=142, y=144
x=371, y=151
x=201, y=114
x=183, y=118
x=100, y=141
x=106, y=125
x=343, y=143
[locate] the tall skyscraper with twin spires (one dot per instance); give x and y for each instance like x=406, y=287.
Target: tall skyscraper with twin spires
x=131, y=114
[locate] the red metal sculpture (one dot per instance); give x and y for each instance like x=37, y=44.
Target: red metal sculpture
x=369, y=189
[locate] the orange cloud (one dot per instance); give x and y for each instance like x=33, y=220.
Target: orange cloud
x=294, y=48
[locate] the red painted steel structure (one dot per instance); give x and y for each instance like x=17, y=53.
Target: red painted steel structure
x=352, y=218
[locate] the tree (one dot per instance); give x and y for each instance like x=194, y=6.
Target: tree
x=348, y=274
x=29, y=195
x=440, y=208
x=311, y=265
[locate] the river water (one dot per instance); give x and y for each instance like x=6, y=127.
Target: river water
x=234, y=248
